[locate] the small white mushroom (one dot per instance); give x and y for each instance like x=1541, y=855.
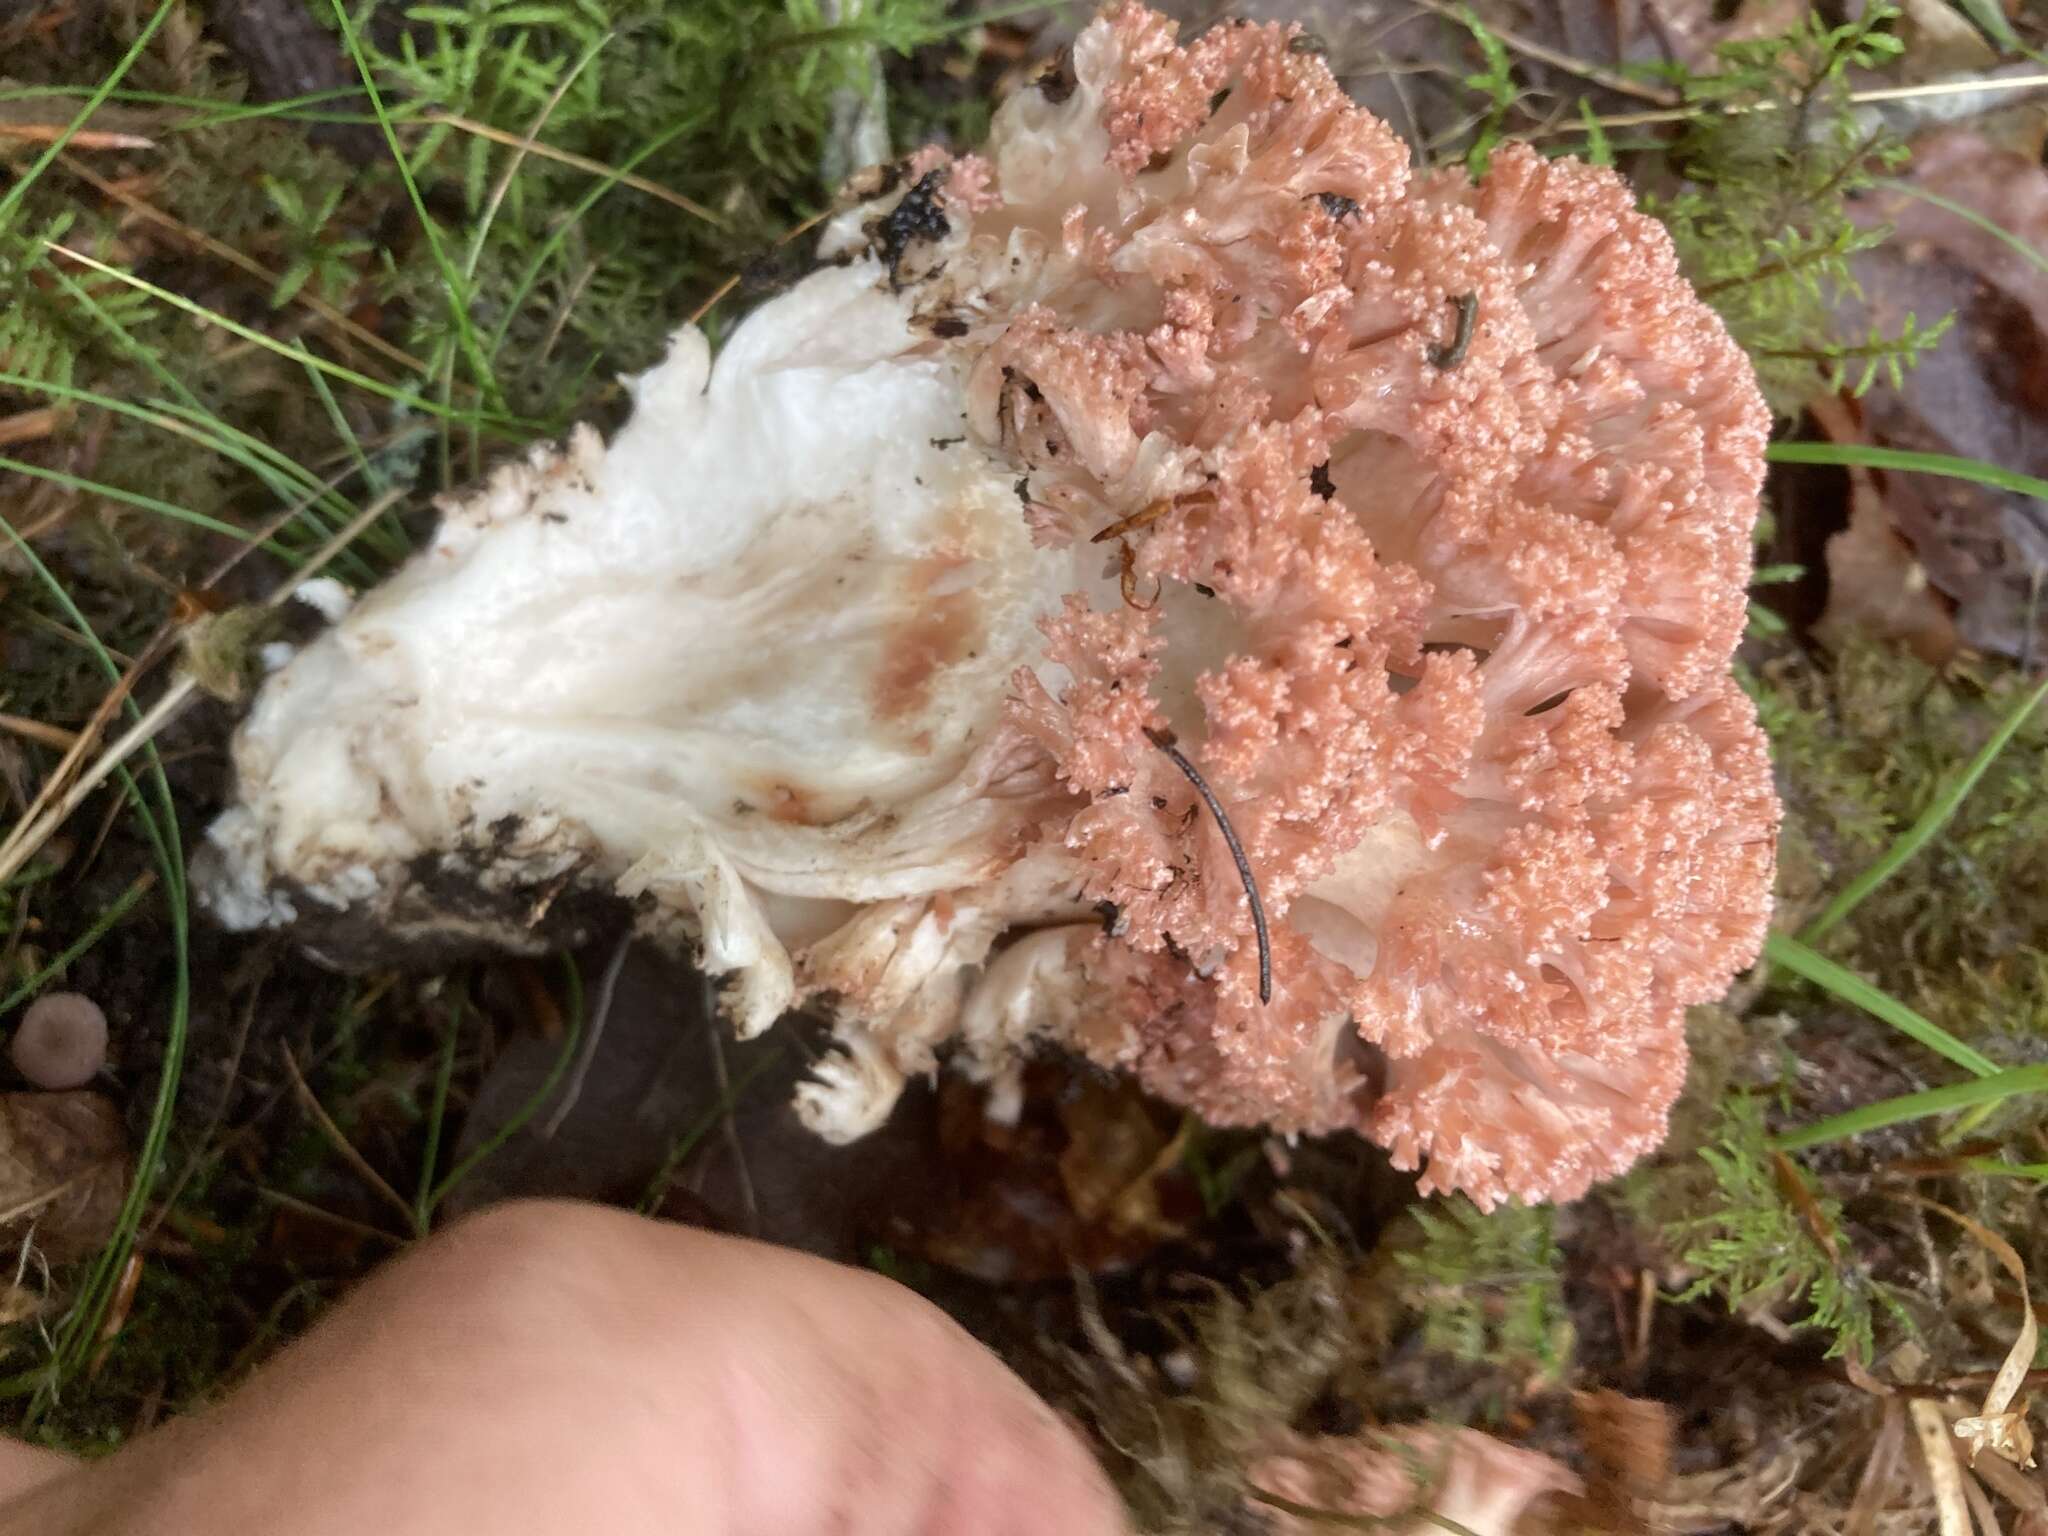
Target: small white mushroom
x=61, y=1041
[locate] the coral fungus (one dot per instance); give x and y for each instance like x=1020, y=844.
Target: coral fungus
x=1180, y=511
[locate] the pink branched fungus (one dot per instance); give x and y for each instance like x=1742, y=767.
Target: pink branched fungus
x=1292, y=599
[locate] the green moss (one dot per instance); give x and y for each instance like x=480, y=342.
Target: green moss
x=1864, y=740
x=1488, y=1285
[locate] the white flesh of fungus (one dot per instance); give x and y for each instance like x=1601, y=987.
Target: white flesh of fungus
x=743, y=666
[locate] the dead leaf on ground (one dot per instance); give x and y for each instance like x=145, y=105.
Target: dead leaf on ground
x=1876, y=583
x=63, y=1171
x=672, y=1110
x=1089, y=1179
x=672, y=1107
x=1627, y=1441
x=1982, y=393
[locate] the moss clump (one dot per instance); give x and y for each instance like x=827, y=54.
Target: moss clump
x=1865, y=740
x=1181, y=1438
x=1489, y=1287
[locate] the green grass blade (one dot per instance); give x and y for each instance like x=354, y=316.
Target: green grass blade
x=206, y=112
x=1916, y=1106
x=387, y=535
x=437, y=1117
x=1931, y=821
x=1863, y=456
x=286, y=486
x=704, y=1125
x=78, y=1332
x=458, y=289
x=133, y=499
x=121, y=907
x=1782, y=949
x=2002, y=1170
x=294, y=354
x=563, y=228
x=1971, y=216
x=28, y=178
x=482, y=236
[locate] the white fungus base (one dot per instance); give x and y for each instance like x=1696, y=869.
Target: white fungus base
x=736, y=666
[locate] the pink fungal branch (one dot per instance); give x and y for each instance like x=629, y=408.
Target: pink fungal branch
x=1181, y=584
x=1466, y=476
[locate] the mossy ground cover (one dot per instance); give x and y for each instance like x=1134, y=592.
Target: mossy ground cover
x=226, y=319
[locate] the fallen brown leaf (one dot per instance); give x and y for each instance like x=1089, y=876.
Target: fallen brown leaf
x=1876, y=583
x=1982, y=393
x=1627, y=1441
x=63, y=1171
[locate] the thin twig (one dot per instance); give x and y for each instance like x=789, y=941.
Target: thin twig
x=1165, y=744
x=370, y=1176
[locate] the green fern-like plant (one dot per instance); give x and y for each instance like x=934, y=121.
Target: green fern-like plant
x=1489, y=1285
x=1772, y=154
x=1754, y=1245
x=41, y=335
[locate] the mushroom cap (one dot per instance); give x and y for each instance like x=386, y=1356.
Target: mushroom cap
x=61, y=1041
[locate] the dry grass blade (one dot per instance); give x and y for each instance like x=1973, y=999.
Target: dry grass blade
x=51, y=808
x=1997, y=1426
x=581, y=162
x=85, y=138
x=310, y=1102
x=35, y=730
x=1944, y=1472
x=793, y=232
x=1870, y=97
x=1873, y=1486
x=41, y=1198
x=2014, y=1486
x=30, y=426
